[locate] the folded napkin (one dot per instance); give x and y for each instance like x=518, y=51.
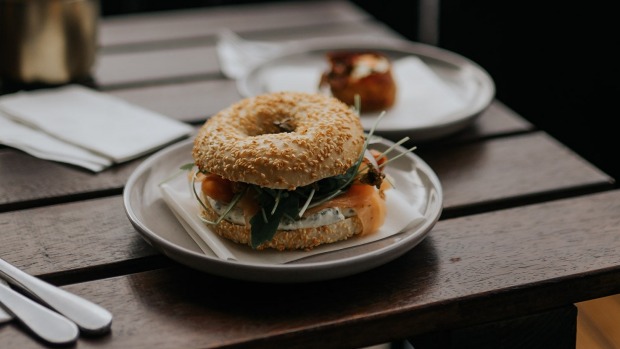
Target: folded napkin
x=83, y=127
x=238, y=56
x=405, y=210
x=423, y=98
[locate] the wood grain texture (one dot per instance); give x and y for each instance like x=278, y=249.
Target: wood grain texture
x=496, y=120
x=176, y=25
x=28, y=181
x=192, y=101
x=144, y=67
x=97, y=221
x=471, y=175
x=70, y=237
x=198, y=59
x=467, y=272
x=510, y=167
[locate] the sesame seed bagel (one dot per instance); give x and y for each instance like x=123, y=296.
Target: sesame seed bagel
x=298, y=239
x=280, y=140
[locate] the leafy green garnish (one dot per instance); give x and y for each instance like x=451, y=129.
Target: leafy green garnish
x=264, y=224
x=229, y=208
x=187, y=167
x=184, y=168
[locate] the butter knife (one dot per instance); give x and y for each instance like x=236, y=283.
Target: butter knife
x=89, y=317
x=43, y=322
x=4, y=316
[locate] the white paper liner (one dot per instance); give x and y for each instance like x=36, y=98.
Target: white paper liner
x=405, y=207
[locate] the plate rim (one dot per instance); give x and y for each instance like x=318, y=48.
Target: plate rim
x=425, y=51
x=277, y=273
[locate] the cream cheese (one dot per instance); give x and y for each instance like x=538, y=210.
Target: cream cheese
x=324, y=217
x=367, y=64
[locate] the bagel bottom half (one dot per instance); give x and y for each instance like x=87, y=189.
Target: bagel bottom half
x=299, y=239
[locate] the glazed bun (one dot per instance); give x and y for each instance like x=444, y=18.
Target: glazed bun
x=367, y=74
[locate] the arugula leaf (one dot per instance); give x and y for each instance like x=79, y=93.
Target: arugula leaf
x=187, y=167
x=275, y=204
x=264, y=223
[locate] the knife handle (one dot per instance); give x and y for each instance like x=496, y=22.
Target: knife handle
x=48, y=325
x=89, y=317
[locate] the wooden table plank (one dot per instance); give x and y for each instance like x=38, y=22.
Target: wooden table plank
x=495, y=121
x=143, y=67
x=488, y=172
x=71, y=236
x=28, y=181
x=510, y=168
x=464, y=265
x=97, y=232
x=197, y=22
x=199, y=59
x=191, y=101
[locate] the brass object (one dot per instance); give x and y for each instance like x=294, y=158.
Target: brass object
x=48, y=42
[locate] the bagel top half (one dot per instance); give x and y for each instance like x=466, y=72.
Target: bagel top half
x=280, y=140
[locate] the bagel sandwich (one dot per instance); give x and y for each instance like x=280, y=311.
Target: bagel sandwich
x=288, y=171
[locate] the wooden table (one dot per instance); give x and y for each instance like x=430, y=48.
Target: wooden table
x=528, y=227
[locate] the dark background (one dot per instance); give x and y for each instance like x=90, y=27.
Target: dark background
x=554, y=63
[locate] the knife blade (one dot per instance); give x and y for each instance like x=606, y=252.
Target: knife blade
x=4, y=316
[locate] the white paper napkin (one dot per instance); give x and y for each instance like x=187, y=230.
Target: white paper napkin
x=84, y=127
x=237, y=56
x=404, y=211
x=44, y=146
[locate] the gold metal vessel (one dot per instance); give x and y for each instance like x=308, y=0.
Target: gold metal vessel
x=47, y=41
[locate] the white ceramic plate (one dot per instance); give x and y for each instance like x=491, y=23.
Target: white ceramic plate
x=467, y=83
x=152, y=218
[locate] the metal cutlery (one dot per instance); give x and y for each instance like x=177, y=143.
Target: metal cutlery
x=89, y=317
x=45, y=323
x=4, y=316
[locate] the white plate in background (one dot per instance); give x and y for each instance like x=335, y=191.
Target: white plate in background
x=464, y=82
